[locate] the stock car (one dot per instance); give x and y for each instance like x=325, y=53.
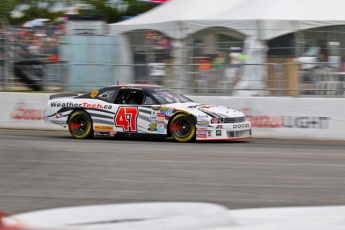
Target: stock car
x=136, y=111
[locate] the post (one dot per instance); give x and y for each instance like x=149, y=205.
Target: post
x=8, y=62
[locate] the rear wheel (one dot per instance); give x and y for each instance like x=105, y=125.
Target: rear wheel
x=182, y=128
x=80, y=125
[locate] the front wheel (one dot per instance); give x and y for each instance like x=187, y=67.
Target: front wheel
x=80, y=125
x=182, y=128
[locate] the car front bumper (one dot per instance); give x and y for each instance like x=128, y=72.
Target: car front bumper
x=232, y=131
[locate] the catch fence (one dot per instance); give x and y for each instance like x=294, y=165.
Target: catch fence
x=268, y=79
x=211, y=62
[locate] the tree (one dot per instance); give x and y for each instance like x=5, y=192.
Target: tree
x=136, y=7
x=112, y=15
x=6, y=6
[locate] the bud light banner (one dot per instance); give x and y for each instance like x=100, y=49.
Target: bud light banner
x=289, y=118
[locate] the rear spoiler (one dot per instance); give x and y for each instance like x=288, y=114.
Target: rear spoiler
x=62, y=95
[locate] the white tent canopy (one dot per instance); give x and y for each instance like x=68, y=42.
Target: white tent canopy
x=172, y=17
x=265, y=19
x=257, y=20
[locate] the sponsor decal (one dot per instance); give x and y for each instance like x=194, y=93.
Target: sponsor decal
x=201, y=136
x=266, y=121
x=104, y=128
x=129, y=87
x=152, y=127
x=239, y=126
x=209, y=134
x=160, y=128
x=306, y=122
x=58, y=122
x=161, y=123
x=202, y=123
x=208, y=106
x=201, y=132
x=156, y=108
x=181, y=111
x=160, y=115
x=80, y=105
x=163, y=112
x=194, y=106
x=202, y=118
x=94, y=94
x=277, y=121
x=221, y=126
x=218, y=132
x=169, y=112
x=214, y=120
x=153, y=122
x=23, y=113
x=101, y=133
x=200, y=129
x=154, y=113
x=160, y=118
x=153, y=118
x=164, y=107
x=58, y=115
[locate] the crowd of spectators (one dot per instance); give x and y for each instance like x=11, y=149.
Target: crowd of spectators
x=160, y=44
x=31, y=42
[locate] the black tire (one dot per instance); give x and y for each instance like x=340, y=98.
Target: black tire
x=80, y=125
x=182, y=128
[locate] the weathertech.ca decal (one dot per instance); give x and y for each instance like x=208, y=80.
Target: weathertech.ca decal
x=80, y=105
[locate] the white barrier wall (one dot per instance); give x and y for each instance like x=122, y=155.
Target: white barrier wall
x=291, y=118
x=24, y=111
x=271, y=117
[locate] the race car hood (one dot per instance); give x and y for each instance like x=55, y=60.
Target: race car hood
x=210, y=110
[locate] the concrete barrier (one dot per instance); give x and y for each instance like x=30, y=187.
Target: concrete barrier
x=271, y=117
x=289, y=118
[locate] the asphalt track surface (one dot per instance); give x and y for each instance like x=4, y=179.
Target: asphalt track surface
x=45, y=169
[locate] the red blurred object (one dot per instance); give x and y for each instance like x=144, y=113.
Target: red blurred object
x=2, y=215
x=54, y=59
x=13, y=226
x=205, y=64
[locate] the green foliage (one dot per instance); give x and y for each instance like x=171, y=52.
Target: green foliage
x=136, y=7
x=6, y=6
x=112, y=15
x=33, y=13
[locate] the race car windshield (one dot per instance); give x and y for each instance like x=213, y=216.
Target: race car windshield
x=165, y=96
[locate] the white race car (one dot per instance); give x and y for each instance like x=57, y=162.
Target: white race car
x=136, y=111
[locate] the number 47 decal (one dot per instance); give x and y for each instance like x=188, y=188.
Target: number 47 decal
x=126, y=117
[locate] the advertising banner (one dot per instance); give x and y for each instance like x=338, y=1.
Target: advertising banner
x=24, y=111
x=296, y=118
x=271, y=117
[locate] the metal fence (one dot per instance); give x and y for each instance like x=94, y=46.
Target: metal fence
x=304, y=64
x=285, y=79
